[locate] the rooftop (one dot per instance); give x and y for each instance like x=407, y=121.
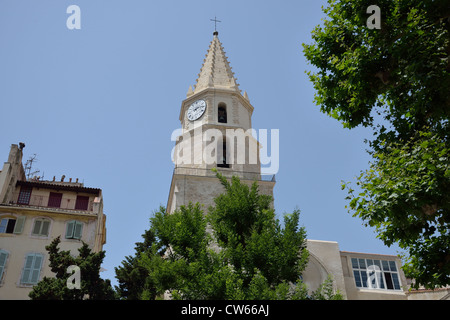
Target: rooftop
x=59, y=185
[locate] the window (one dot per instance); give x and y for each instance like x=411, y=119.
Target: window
x=223, y=163
x=32, y=269
x=82, y=203
x=74, y=230
x=41, y=227
x=7, y=225
x=54, y=200
x=3, y=259
x=222, y=113
x=24, y=195
x=375, y=274
x=12, y=225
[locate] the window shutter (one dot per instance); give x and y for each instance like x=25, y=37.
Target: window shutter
x=36, y=271
x=3, y=258
x=82, y=203
x=26, y=272
x=37, y=227
x=32, y=268
x=45, y=227
x=3, y=224
x=20, y=222
x=77, y=230
x=54, y=200
x=41, y=227
x=69, y=229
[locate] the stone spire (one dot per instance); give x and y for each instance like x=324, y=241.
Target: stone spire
x=216, y=71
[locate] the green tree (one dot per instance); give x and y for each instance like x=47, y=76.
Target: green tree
x=405, y=197
x=236, y=251
x=92, y=287
x=400, y=72
x=132, y=278
x=395, y=80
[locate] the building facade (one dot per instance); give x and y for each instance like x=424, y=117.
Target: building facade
x=32, y=214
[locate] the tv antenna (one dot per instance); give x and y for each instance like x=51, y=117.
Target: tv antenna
x=29, y=173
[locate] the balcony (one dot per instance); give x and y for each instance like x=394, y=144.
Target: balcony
x=50, y=202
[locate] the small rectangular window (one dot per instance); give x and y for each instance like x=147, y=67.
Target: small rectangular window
x=392, y=266
x=362, y=264
x=24, y=195
x=377, y=263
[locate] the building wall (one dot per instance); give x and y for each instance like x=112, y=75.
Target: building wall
x=11, y=172
x=437, y=294
x=18, y=245
x=324, y=261
x=203, y=189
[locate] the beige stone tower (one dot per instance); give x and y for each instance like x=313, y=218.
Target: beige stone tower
x=216, y=133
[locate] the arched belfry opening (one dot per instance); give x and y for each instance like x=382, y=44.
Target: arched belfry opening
x=222, y=113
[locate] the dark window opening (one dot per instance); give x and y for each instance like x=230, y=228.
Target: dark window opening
x=223, y=163
x=54, y=200
x=24, y=195
x=388, y=278
x=82, y=203
x=222, y=113
x=7, y=225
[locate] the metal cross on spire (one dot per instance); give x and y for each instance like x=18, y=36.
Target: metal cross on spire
x=215, y=23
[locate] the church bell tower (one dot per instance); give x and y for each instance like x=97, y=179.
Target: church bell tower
x=216, y=132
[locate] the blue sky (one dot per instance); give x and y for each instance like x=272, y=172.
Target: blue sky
x=100, y=104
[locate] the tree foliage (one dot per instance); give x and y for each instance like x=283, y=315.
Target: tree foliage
x=132, y=278
x=92, y=287
x=238, y=250
x=406, y=198
x=400, y=72
x=395, y=80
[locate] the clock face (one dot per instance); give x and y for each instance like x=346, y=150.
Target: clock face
x=196, y=110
